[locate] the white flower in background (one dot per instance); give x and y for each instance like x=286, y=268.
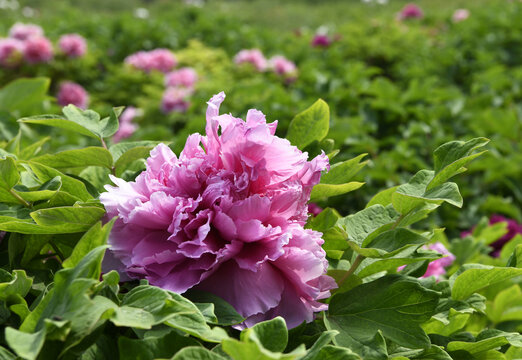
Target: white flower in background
x=141, y=13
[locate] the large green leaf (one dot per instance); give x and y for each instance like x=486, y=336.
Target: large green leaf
x=25, y=345
x=271, y=334
x=9, y=174
x=310, y=125
x=196, y=353
x=321, y=191
x=69, y=219
x=476, y=279
x=89, y=156
x=22, y=94
x=393, y=304
x=153, y=347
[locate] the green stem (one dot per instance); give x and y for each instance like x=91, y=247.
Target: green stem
x=57, y=250
x=358, y=260
x=19, y=198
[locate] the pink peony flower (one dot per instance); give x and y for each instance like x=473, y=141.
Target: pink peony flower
x=72, y=93
x=410, y=11
x=252, y=56
x=25, y=31
x=127, y=127
x=73, y=45
x=226, y=217
x=184, y=77
x=282, y=66
x=437, y=268
x=38, y=49
x=175, y=99
x=460, y=15
x=513, y=228
x=11, y=52
x=158, y=59
x=321, y=40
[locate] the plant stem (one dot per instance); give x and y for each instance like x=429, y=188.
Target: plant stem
x=358, y=260
x=19, y=198
x=57, y=250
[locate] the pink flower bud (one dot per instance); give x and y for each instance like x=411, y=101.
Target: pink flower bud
x=252, y=56
x=73, y=45
x=72, y=93
x=25, y=31
x=11, y=52
x=38, y=49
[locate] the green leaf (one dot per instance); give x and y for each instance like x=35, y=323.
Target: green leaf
x=70, y=185
x=88, y=119
x=68, y=219
x=309, y=125
x=389, y=243
x=324, y=339
x=10, y=175
x=89, y=156
x=6, y=355
x=25, y=345
x=96, y=236
x=364, y=225
x=393, y=304
x=31, y=150
x=321, y=191
x=373, y=349
x=474, y=280
x=21, y=94
x=408, y=255
x=196, y=353
x=486, y=340
x=58, y=122
x=117, y=150
x=44, y=192
x=507, y=305
x=271, y=334
x=337, y=353
x=343, y=172
x=129, y=156
x=109, y=125
x=225, y=313
x=414, y=194
x=153, y=347
x=516, y=258
x=383, y=197
x=450, y=158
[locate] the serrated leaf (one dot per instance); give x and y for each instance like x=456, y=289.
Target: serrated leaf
x=310, y=125
x=393, y=304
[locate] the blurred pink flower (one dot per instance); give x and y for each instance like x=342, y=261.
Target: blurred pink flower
x=127, y=127
x=226, y=217
x=513, y=228
x=410, y=11
x=72, y=93
x=158, y=59
x=73, y=45
x=184, y=77
x=252, y=56
x=282, y=66
x=38, y=49
x=25, y=31
x=175, y=99
x=321, y=40
x=11, y=52
x=460, y=15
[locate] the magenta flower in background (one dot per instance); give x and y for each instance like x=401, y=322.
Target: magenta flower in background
x=25, y=31
x=438, y=267
x=252, y=56
x=72, y=93
x=11, y=52
x=184, y=77
x=73, y=45
x=314, y=209
x=175, y=100
x=38, y=49
x=321, y=40
x=282, y=66
x=227, y=216
x=513, y=228
x=127, y=127
x=159, y=59
x=411, y=11
x=460, y=15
